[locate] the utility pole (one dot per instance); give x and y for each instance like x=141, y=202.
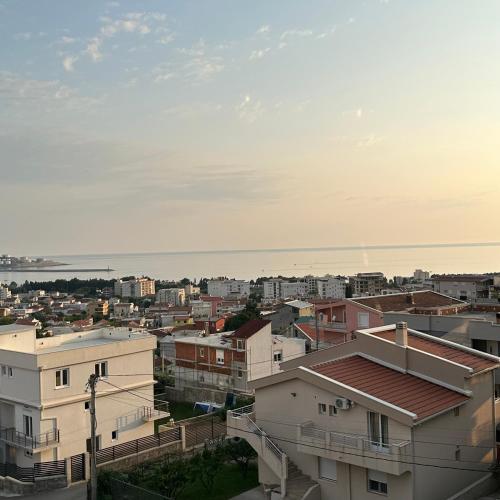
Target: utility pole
x=93, y=378
x=317, y=329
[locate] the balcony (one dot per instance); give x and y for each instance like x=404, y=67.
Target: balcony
x=393, y=458
x=335, y=325
x=149, y=414
x=34, y=444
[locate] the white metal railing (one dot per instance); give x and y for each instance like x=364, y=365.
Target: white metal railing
x=245, y=410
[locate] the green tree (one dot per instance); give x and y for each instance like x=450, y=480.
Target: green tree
x=250, y=312
x=205, y=466
x=240, y=452
x=168, y=477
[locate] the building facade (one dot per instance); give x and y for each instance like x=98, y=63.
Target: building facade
x=172, y=296
x=228, y=288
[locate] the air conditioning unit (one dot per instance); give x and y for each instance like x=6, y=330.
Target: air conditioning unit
x=343, y=403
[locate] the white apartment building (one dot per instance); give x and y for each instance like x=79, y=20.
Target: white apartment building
x=190, y=289
x=393, y=413
x=4, y=292
x=420, y=275
x=44, y=404
x=228, y=288
x=331, y=287
x=172, y=296
x=135, y=288
x=123, y=310
x=367, y=284
x=468, y=287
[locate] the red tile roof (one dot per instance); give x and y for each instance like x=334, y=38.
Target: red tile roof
x=249, y=328
x=408, y=301
x=325, y=334
x=446, y=351
x=400, y=389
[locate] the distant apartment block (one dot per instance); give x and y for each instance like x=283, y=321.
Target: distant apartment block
x=98, y=307
x=123, y=310
x=190, y=289
x=44, y=407
x=331, y=287
x=135, y=288
x=228, y=288
x=4, y=292
x=230, y=360
x=365, y=284
x=327, y=287
x=421, y=276
x=393, y=413
x=468, y=287
x=280, y=289
x=172, y=296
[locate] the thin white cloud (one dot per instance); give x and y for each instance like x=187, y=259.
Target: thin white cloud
x=249, y=110
x=264, y=29
x=66, y=40
x=298, y=33
x=259, y=54
x=69, y=62
x=94, y=49
x=369, y=141
x=23, y=36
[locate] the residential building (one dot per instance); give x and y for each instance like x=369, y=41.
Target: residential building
x=228, y=288
x=4, y=292
x=44, y=405
x=190, y=289
x=230, y=360
x=421, y=276
x=468, y=287
x=124, y=310
x=135, y=288
x=172, y=296
x=364, y=284
x=368, y=312
x=201, y=309
x=283, y=317
x=393, y=412
x=278, y=289
x=98, y=307
x=331, y=287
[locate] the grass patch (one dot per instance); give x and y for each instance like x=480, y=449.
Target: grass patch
x=229, y=483
x=182, y=410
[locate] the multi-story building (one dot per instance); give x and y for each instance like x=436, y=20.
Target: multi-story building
x=393, y=412
x=123, y=310
x=367, y=284
x=44, y=406
x=135, y=288
x=231, y=360
x=172, y=296
x=280, y=289
x=421, y=276
x=331, y=287
x=4, y=292
x=228, y=288
x=469, y=287
x=190, y=289
x=99, y=307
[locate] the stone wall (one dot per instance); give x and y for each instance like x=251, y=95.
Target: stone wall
x=193, y=394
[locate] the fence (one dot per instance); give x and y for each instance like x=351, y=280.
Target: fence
x=201, y=431
x=138, y=445
x=39, y=470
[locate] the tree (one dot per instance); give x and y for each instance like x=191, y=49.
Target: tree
x=250, y=312
x=240, y=452
x=168, y=477
x=206, y=465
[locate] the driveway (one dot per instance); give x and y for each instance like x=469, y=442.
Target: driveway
x=254, y=494
x=78, y=492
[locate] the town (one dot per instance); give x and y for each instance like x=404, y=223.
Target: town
x=323, y=378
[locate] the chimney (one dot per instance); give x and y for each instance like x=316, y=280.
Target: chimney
x=498, y=318
x=402, y=333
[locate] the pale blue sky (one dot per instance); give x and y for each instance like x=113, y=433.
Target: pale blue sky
x=168, y=125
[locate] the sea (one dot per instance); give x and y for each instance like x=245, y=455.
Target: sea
x=392, y=260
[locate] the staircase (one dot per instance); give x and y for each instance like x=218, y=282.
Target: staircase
x=293, y=483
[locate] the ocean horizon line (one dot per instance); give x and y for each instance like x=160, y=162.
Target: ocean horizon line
x=292, y=249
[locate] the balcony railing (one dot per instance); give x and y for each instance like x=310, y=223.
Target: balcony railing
x=23, y=440
x=335, y=325
x=149, y=413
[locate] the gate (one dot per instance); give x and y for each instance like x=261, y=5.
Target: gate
x=78, y=468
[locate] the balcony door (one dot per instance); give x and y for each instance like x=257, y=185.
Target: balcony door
x=378, y=431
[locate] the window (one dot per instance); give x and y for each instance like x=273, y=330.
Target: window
x=28, y=425
x=322, y=408
x=327, y=469
x=219, y=354
x=4, y=370
x=114, y=435
x=378, y=431
x=202, y=351
x=332, y=410
x=10, y=371
x=240, y=344
x=87, y=405
x=97, y=444
x=377, y=481
x=62, y=377
x=363, y=320
x=457, y=412
x=240, y=373
x=278, y=356
x=101, y=369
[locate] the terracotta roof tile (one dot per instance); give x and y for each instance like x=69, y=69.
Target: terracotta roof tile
x=400, y=389
x=249, y=328
x=445, y=351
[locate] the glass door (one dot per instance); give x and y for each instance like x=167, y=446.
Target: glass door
x=378, y=431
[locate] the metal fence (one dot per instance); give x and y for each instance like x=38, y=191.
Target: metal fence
x=137, y=445
x=39, y=470
x=201, y=431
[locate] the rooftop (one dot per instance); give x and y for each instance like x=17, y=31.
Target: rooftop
x=476, y=360
x=406, y=301
x=325, y=334
x=405, y=391
x=250, y=328
x=298, y=304
x=472, y=278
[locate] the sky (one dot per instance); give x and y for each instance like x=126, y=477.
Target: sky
x=130, y=126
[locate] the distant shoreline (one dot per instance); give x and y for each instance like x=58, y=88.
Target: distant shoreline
x=23, y=269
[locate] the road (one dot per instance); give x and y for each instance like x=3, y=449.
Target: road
x=78, y=492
